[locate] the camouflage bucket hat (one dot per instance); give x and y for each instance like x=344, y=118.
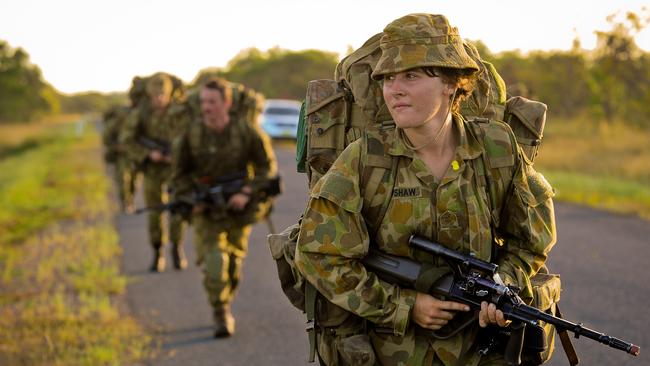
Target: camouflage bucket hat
x=419, y=40
x=159, y=84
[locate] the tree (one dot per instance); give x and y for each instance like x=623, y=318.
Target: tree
x=276, y=73
x=24, y=93
x=620, y=73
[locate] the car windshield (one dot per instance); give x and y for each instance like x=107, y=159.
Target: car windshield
x=282, y=111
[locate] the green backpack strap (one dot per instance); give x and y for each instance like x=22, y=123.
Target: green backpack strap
x=376, y=176
x=491, y=170
x=301, y=141
x=378, y=167
x=483, y=168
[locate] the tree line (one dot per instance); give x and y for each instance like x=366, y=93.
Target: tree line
x=607, y=83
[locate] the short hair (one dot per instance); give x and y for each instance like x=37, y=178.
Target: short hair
x=220, y=85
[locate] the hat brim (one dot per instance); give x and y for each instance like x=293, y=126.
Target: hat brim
x=404, y=57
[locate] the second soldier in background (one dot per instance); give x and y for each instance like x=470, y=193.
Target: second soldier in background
x=148, y=135
x=222, y=149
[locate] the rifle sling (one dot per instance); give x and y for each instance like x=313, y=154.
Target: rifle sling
x=310, y=310
x=567, y=345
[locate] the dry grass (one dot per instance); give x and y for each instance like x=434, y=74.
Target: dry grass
x=598, y=164
x=59, y=253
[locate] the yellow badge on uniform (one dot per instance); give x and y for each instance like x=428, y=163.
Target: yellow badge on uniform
x=454, y=165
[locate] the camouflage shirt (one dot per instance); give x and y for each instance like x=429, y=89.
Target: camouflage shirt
x=202, y=156
x=113, y=126
x=143, y=122
x=454, y=211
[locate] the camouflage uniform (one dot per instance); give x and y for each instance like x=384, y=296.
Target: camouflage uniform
x=201, y=156
x=163, y=127
x=124, y=173
x=454, y=211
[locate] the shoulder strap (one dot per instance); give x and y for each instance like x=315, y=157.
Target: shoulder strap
x=490, y=170
x=485, y=169
x=378, y=167
x=194, y=136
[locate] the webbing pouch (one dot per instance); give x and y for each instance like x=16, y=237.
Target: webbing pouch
x=527, y=119
x=546, y=295
x=327, y=110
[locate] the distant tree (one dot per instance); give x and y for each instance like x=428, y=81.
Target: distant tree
x=88, y=102
x=24, y=94
x=276, y=73
x=559, y=79
x=620, y=74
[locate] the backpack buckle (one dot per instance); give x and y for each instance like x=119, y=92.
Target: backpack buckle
x=310, y=326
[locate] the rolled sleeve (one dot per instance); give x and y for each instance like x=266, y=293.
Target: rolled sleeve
x=334, y=238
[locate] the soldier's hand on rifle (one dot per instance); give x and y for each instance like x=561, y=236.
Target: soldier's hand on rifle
x=199, y=208
x=156, y=156
x=431, y=313
x=238, y=201
x=490, y=315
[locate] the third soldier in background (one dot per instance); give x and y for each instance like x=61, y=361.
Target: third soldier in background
x=124, y=172
x=148, y=135
x=226, y=160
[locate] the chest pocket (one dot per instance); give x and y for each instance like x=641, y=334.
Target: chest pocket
x=228, y=149
x=408, y=213
x=452, y=214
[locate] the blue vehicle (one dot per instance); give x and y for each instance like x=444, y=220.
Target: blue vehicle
x=279, y=118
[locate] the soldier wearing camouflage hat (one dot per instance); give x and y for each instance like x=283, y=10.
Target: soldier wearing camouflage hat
x=148, y=135
x=438, y=191
x=220, y=149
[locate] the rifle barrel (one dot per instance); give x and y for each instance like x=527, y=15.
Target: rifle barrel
x=579, y=330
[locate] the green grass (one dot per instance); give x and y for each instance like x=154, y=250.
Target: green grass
x=602, y=192
x=605, y=166
x=59, y=253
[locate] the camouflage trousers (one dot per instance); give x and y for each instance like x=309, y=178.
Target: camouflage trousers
x=155, y=185
x=220, y=250
x=125, y=175
x=425, y=348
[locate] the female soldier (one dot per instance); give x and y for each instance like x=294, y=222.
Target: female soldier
x=439, y=193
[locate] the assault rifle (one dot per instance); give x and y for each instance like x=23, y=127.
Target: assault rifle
x=474, y=281
x=154, y=144
x=218, y=193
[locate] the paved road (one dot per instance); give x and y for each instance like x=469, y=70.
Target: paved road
x=603, y=260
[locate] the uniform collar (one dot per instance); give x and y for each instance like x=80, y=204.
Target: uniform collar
x=468, y=147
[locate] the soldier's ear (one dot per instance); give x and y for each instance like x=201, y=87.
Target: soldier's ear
x=449, y=90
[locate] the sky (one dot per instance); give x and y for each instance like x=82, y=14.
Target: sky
x=83, y=45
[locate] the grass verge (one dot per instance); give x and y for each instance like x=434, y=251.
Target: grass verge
x=602, y=165
x=59, y=254
x=602, y=192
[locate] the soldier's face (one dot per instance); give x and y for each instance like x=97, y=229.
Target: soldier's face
x=160, y=101
x=213, y=106
x=415, y=98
